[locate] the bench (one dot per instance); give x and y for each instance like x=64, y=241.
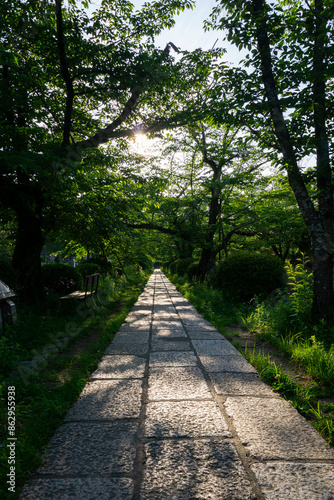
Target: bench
x=91, y=284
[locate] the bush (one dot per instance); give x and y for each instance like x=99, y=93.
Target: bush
x=292, y=309
x=7, y=273
x=182, y=265
x=192, y=270
x=172, y=266
x=86, y=268
x=103, y=264
x=245, y=275
x=61, y=279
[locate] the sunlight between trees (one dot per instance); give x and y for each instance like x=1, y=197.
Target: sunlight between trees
x=226, y=170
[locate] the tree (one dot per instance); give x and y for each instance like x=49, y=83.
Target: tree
x=205, y=196
x=281, y=227
x=70, y=83
x=284, y=94
x=232, y=164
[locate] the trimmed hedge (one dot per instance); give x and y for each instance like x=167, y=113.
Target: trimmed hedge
x=104, y=264
x=180, y=266
x=193, y=269
x=61, y=279
x=183, y=265
x=245, y=274
x=86, y=268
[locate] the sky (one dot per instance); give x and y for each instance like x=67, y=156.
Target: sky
x=188, y=33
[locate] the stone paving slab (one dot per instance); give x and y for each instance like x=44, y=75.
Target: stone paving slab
x=196, y=323
x=180, y=303
x=139, y=315
x=124, y=347
x=166, y=324
x=237, y=364
x=159, y=344
x=128, y=336
x=187, y=307
x=189, y=312
x=185, y=419
x=240, y=384
x=91, y=449
x=108, y=399
x=196, y=328
x=219, y=347
x=119, y=366
x=142, y=309
x=139, y=323
x=168, y=333
x=177, y=383
x=202, y=335
x=90, y=488
x=272, y=429
x=296, y=480
x=201, y=470
x=165, y=317
x=169, y=359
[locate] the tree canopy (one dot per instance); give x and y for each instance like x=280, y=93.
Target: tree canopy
x=77, y=86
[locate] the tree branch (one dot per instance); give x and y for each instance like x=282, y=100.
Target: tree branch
x=109, y=132
x=282, y=133
x=65, y=74
x=244, y=224
x=154, y=227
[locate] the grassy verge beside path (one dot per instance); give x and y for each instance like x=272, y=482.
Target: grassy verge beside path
x=43, y=398
x=313, y=399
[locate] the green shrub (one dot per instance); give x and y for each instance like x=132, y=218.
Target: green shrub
x=192, y=270
x=291, y=311
x=86, y=268
x=60, y=278
x=103, y=264
x=144, y=261
x=245, y=275
x=172, y=266
x=182, y=265
x=7, y=273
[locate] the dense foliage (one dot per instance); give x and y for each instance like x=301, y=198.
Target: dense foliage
x=246, y=275
x=60, y=278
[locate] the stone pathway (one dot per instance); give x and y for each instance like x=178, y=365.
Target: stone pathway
x=174, y=412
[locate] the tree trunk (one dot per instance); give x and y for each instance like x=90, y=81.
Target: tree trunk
x=207, y=261
x=323, y=296
x=29, y=244
x=208, y=255
x=320, y=223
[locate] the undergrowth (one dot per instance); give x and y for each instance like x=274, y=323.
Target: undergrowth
x=287, y=323
x=43, y=398
x=41, y=324
x=284, y=321
x=306, y=399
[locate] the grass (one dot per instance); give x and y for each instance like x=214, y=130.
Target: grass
x=308, y=346
x=210, y=303
x=306, y=399
x=43, y=398
x=315, y=356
